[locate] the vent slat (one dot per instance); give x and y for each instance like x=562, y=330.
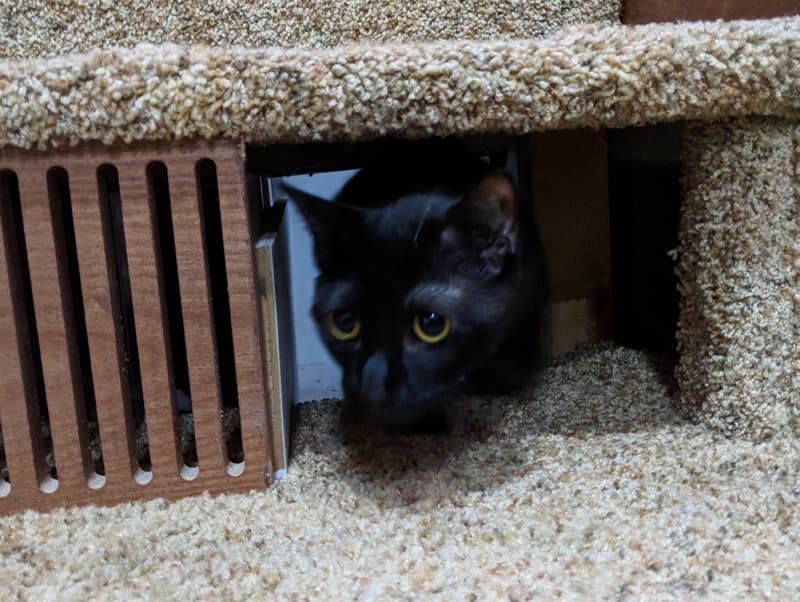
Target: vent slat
x=195, y=302
x=20, y=446
x=165, y=453
x=115, y=421
x=73, y=460
x=243, y=306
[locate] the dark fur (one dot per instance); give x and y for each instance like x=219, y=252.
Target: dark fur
x=427, y=230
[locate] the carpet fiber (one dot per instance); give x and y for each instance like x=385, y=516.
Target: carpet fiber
x=592, y=75
x=591, y=486
x=739, y=271
x=31, y=28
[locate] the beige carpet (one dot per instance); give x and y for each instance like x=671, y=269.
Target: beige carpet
x=592, y=75
x=593, y=488
x=31, y=28
x=739, y=272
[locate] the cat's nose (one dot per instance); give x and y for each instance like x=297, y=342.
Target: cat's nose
x=373, y=379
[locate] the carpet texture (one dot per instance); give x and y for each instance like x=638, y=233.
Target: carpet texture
x=592, y=487
x=739, y=272
x=589, y=75
x=36, y=28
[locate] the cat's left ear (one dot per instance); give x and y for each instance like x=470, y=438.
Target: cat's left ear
x=486, y=220
x=333, y=225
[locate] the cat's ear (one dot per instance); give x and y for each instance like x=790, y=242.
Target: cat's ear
x=333, y=226
x=485, y=222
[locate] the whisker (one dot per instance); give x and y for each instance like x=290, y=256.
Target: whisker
x=422, y=221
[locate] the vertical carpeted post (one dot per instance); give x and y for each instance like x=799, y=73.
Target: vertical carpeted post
x=739, y=270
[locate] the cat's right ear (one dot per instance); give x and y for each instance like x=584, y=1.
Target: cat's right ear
x=332, y=225
x=485, y=223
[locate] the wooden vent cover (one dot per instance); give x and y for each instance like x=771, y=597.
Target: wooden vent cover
x=129, y=334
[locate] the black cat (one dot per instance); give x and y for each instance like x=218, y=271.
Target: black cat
x=431, y=274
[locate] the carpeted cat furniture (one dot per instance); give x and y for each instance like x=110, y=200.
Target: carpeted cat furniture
x=83, y=87
x=132, y=136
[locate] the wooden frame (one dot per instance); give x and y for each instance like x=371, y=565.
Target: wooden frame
x=272, y=260
x=664, y=11
x=38, y=266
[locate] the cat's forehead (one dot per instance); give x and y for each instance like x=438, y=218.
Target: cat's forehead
x=405, y=218
x=404, y=282
x=449, y=290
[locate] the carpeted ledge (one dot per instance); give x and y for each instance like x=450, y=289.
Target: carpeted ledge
x=37, y=28
x=593, y=487
x=592, y=75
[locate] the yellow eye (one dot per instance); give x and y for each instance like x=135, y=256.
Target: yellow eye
x=343, y=324
x=431, y=327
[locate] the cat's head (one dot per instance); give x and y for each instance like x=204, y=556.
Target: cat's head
x=414, y=291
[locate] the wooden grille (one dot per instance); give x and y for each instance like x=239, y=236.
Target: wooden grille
x=88, y=329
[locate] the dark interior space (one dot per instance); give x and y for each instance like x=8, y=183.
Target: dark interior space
x=644, y=196
x=644, y=207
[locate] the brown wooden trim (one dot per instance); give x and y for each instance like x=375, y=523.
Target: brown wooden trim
x=239, y=261
x=68, y=430
x=197, y=316
x=114, y=418
x=19, y=442
x=165, y=453
x=636, y=12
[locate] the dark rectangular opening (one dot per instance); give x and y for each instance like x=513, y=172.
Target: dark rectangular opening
x=74, y=317
x=122, y=304
x=218, y=282
x=5, y=481
x=644, y=203
x=174, y=333
x=267, y=166
x=27, y=335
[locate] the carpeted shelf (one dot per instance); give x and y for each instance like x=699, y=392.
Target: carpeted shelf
x=592, y=485
x=591, y=75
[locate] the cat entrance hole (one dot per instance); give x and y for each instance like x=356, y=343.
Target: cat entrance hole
x=129, y=326
x=606, y=204
x=322, y=170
